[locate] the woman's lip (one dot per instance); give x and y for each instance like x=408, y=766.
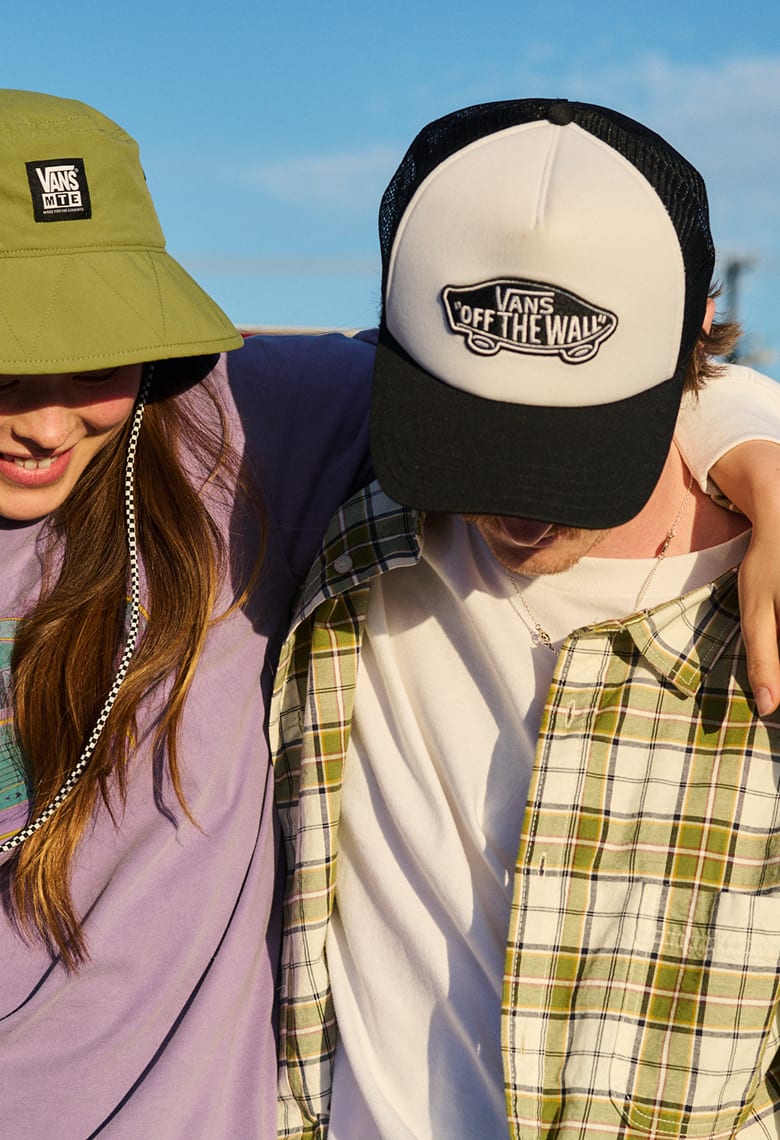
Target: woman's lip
x=13, y=472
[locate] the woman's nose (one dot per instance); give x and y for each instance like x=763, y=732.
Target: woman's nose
x=44, y=429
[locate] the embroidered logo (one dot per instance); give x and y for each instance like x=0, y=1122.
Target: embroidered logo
x=59, y=190
x=529, y=317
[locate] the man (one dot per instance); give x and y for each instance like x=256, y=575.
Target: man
x=531, y=815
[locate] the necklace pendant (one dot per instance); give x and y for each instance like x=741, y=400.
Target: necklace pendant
x=543, y=638
x=538, y=634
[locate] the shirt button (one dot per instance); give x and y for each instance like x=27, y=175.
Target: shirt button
x=342, y=564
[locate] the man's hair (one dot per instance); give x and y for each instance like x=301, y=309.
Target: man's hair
x=711, y=349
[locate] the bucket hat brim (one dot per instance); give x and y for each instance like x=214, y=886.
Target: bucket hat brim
x=104, y=308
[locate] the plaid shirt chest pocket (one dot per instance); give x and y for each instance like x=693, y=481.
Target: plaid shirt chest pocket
x=696, y=1026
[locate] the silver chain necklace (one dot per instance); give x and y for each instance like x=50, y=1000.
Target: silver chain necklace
x=539, y=634
x=130, y=642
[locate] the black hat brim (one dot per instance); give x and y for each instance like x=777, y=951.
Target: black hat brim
x=438, y=448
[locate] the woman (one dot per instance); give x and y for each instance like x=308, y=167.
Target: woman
x=159, y=503
x=139, y=935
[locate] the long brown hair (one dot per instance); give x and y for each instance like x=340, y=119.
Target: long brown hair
x=65, y=652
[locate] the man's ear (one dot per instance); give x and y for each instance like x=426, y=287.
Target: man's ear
x=709, y=315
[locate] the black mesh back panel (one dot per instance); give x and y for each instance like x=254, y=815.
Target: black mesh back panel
x=678, y=184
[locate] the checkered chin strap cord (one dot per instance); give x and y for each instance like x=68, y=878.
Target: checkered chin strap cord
x=131, y=640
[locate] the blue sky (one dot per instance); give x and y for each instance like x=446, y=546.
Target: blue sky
x=268, y=131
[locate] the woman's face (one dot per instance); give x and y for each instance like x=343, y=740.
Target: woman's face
x=51, y=427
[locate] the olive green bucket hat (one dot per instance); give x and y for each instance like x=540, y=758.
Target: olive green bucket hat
x=85, y=280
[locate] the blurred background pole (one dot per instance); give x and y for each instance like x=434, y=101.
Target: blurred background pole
x=734, y=269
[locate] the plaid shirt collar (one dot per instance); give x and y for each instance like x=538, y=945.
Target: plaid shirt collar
x=682, y=639
x=369, y=535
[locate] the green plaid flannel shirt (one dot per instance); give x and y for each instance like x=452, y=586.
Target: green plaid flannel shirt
x=640, y=994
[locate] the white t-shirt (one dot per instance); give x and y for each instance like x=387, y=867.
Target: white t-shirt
x=449, y=699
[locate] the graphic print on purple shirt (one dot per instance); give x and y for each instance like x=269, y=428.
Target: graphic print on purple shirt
x=14, y=793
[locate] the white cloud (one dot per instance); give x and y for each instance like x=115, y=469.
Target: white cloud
x=351, y=179
x=723, y=116
x=286, y=265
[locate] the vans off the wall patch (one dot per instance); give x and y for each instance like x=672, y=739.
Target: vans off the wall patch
x=530, y=317
x=59, y=190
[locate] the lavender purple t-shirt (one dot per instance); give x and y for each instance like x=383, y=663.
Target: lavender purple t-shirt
x=167, y=1031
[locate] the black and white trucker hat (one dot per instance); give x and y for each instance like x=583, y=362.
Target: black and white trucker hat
x=546, y=267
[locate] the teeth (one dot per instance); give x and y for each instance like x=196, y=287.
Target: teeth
x=33, y=464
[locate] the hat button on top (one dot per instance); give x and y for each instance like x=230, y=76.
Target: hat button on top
x=342, y=564
x=561, y=113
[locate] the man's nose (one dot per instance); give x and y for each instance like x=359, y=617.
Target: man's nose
x=525, y=532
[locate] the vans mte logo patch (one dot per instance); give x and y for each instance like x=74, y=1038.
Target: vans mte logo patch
x=529, y=317
x=59, y=190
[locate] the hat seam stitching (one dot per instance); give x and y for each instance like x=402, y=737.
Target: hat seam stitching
x=160, y=303
x=544, y=181
x=71, y=251
x=54, y=293
x=141, y=359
